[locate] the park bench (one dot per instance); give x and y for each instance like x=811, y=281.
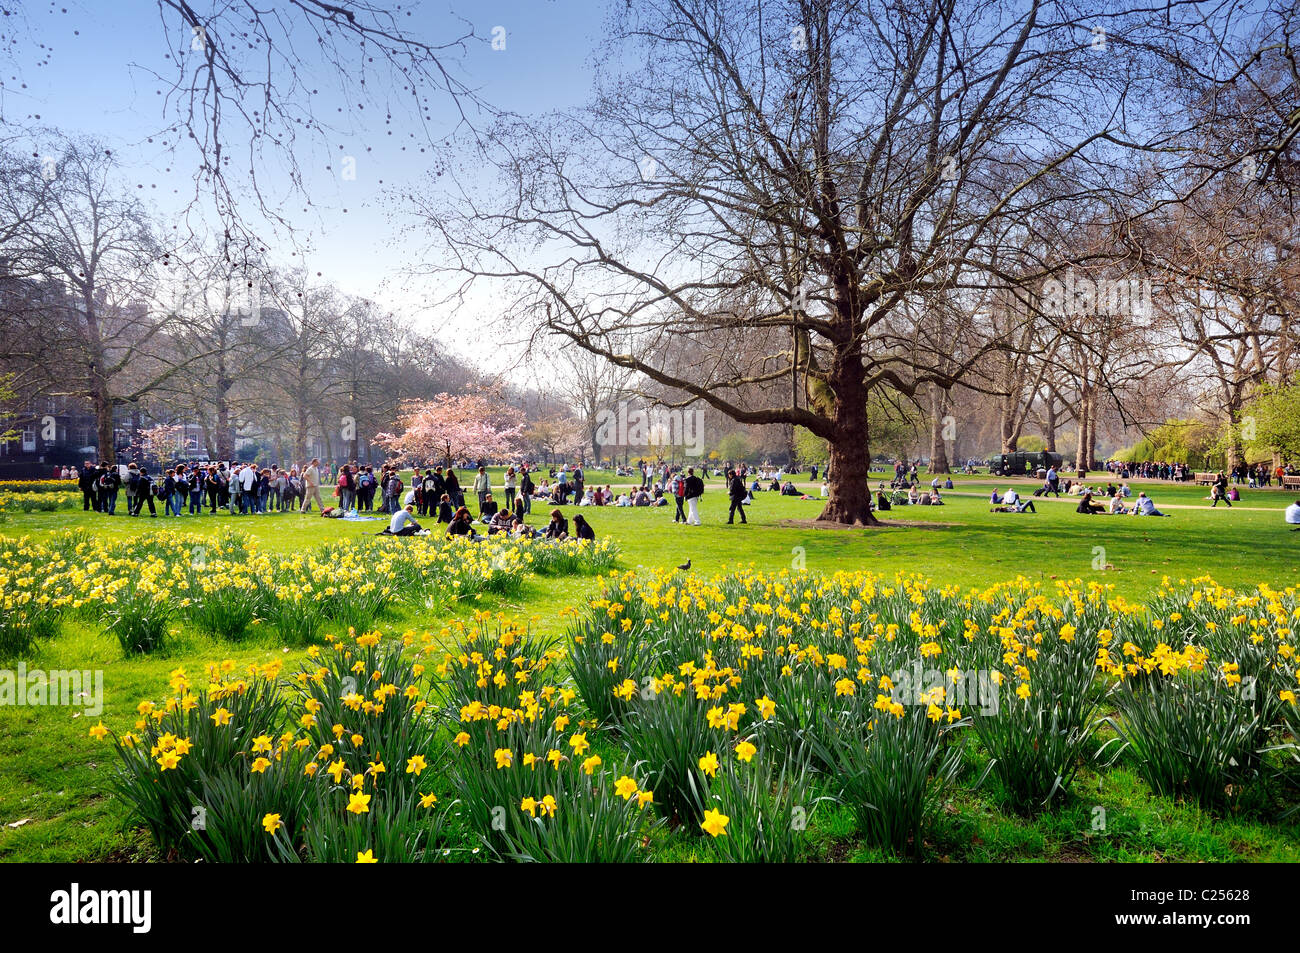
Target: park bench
x=1291, y=482
x=1205, y=479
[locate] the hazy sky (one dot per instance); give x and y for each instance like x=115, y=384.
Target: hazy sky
x=85, y=66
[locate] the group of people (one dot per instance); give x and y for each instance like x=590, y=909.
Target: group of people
x=504, y=522
x=1012, y=502
x=1252, y=476
x=183, y=489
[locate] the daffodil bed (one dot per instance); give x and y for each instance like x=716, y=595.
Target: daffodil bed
x=224, y=585
x=719, y=716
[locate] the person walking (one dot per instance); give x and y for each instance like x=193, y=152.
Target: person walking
x=693, y=490
x=311, y=486
x=679, y=496
x=1053, y=481
x=1219, y=490
x=736, y=490
x=145, y=494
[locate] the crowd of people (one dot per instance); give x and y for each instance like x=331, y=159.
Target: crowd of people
x=1249, y=475
x=436, y=492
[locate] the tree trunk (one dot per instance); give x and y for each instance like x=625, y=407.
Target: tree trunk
x=1090, y=447
x=103, y=406
x=225, y=437
x=300, y=437
x=1010, y=432
x=1049, y=425
x=1081, y=443
x=850, y=464
x=939, y=406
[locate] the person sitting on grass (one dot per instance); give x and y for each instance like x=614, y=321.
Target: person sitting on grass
x=487, y=507
x=1293, y=516
x=1117, y=504
x=1145, y=506
x=935, y=498
x=403, y=522
x=913, y=497
x=462, y=524
x=558, y=527
x=994, y=499
x=1017, y=505
x=445, y=510
x=882, y=502
x=503, y=521
x=1087, y=506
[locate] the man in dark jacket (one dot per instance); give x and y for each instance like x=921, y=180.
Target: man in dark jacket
x=736, y=490
x=526, y=487
x=451, y=486
x=86, y=481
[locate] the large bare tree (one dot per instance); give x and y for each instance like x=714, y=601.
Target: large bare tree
x=815, y=172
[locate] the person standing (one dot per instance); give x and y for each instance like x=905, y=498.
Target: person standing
x=526, y=488
x=86, y=482
x=311, y=486
x=451, y=486
x=1053, y=481
x=693, y=490
x=393, y=492
x=180, y=490
x=511, y=481
x=482, y=487
x=679, y=496
x=248, y=484
x=736, y=490
x=110, y=483
x=145, y=494
x=132, y=485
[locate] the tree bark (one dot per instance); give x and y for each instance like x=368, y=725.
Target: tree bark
x=939, y=406
x=103, y=407
x=850, y=464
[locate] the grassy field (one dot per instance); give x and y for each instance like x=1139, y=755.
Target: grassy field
x=54, y=800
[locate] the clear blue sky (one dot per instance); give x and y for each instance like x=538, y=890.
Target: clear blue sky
x=93, y=79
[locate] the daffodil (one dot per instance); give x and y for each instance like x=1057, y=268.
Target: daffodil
x=358, y=803
x=715, y=823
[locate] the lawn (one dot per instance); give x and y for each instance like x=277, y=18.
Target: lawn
x=54, y=796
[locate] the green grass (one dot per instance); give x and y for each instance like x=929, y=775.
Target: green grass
x=52, y=773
